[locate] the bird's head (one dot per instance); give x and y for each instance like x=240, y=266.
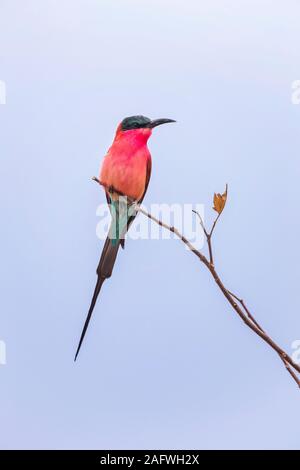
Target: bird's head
x=140, y=126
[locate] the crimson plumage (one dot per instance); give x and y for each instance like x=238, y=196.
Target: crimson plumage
x=127, y=169
x=125, y=165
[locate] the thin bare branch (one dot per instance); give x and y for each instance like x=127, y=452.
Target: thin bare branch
x=207, y=235
x=201, y=222
x=241, y=310
x=288, y=368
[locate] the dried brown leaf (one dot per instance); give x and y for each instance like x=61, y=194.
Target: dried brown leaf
x=220, y=201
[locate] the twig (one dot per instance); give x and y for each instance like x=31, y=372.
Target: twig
x=250, y=316
x=242, y=311
x=207, y=235
x=290, y=371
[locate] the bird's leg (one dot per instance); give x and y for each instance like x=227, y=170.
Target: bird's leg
x=111, y=189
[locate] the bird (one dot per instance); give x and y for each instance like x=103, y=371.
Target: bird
x=125, y=174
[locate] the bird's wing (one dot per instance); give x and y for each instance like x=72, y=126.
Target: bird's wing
x=148, y=175
x=108, y=198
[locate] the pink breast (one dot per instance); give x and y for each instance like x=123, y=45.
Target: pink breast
x=126, y=172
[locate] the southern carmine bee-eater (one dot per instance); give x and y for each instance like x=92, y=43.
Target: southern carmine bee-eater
x=127, y=169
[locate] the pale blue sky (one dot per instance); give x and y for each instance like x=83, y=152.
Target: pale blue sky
x=166, y=363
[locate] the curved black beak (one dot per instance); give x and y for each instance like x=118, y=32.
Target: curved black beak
x=158, y=122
